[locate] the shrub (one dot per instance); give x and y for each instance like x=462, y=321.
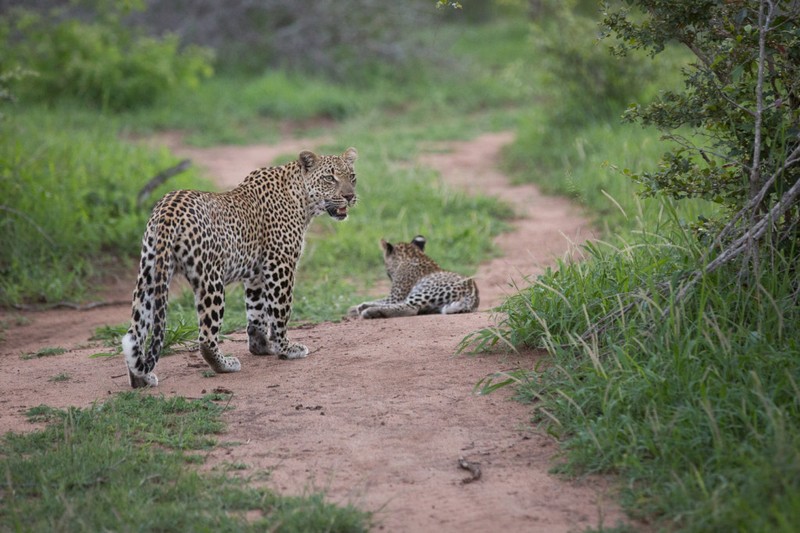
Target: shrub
x=740, y=103
x=587, y=80
x=67, y=200
x=101, y=61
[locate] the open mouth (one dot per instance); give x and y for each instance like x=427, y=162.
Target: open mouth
x=339, y=213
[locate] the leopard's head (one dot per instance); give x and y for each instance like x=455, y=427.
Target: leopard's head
x=406, y=262
x=330, y=181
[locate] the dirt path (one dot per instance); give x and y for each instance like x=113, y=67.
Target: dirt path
x=380, y=412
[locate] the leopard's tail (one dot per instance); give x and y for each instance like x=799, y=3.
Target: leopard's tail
x=473, y=298
x=149, y=307
x=468, y=303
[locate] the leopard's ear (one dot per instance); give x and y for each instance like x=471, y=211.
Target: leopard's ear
x=307, y=159
x=387, y=247
x=419, y=241
x=350, y=155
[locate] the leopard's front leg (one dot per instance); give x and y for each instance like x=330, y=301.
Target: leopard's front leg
x=392, y=310
x=356, y=310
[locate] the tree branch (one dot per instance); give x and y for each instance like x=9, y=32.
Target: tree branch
x=743, y=243
x=750, y=207
x=160, y=178
x=764, y=21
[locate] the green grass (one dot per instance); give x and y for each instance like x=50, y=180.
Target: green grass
x=68, y=190
x=489, y=73
x=122, y=466
x=592, y=165
x=241, y=110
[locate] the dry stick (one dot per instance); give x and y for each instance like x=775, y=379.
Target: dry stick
x=763, y=23
x=71, y=305
x=755, y=232
x=160, y=178
x=474, y=469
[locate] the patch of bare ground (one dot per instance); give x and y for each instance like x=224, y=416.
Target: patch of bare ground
x=382, y=411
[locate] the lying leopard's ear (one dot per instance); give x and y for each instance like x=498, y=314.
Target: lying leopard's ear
x=350, y=155
x=307, y=159
x=387, y=247
x=419, y=241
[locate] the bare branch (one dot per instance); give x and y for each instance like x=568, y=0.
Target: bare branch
x=689, y=145
x=743, y=243
x=160, y=178
x=764, y=21
x=792, y=159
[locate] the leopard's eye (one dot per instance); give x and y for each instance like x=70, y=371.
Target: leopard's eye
x=353, y=179
x=329, y=178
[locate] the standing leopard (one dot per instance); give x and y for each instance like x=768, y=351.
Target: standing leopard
x=254, y=234
x=419, y=285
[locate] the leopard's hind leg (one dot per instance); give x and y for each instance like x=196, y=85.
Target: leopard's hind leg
x=209, y=299
x=357, y=310
x=257, y=324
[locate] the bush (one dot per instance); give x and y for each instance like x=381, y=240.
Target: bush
x=740, y=103
x=588, y=82
x=346, y=40
x=101, y=62
x=67, y=200
x=586, y=87
x=679, y=377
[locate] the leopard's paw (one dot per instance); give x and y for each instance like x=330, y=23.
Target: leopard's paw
x=139, y=382
x=218, y=362
x=294, y=351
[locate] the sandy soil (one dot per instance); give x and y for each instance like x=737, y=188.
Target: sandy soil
x=381, y=411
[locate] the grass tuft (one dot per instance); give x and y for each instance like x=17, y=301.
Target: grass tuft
x=44, y=352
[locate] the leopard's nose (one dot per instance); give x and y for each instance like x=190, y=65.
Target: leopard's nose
x=349, y=197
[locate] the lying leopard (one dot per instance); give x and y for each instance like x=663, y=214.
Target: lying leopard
x=254, y=234
x=419, y=285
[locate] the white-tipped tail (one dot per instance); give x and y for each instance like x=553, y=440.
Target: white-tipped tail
x=128, y=345
x=460, y=306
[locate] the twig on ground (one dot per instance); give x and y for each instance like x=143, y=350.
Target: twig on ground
x=474, y=469
x=71, y=305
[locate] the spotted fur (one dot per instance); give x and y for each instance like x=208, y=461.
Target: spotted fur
x=419, y=285
x=254, y=234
